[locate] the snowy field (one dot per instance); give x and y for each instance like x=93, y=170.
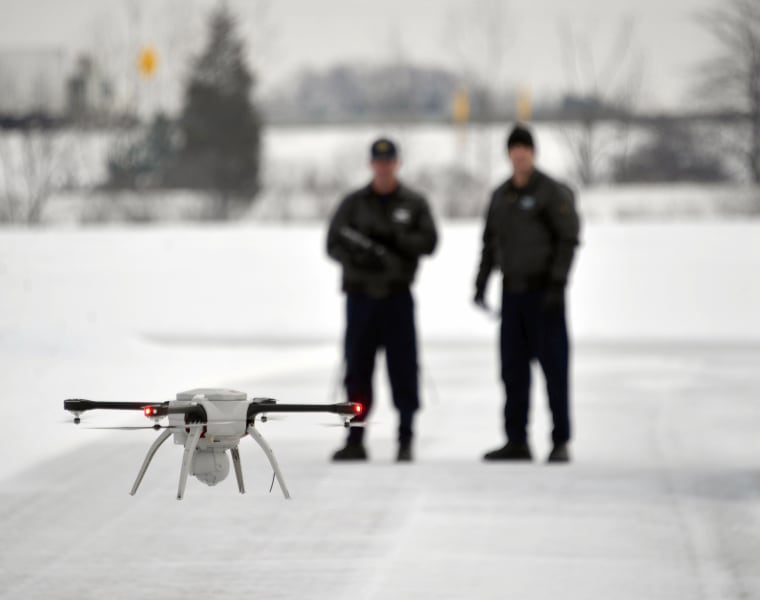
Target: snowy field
x=662, y=501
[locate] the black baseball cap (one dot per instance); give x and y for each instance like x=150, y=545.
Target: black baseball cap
x=520, y=136
x=383, y=149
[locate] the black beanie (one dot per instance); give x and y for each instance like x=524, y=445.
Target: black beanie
x=520, y=136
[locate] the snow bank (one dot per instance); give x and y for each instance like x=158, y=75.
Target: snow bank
x=248, y=282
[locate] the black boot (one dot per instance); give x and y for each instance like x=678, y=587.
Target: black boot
x=351, y=451
x=559, y=454
x=404, y=452
x=511, y=451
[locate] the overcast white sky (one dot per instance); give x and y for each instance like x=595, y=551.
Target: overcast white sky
x=667, y=42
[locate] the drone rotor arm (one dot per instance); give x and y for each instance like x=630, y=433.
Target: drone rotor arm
x=79, y=405
x=347, y=409
x=194, y=413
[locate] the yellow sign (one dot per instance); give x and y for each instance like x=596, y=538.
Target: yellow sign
x=524, y=105
x=460, y=108
x=147, y=62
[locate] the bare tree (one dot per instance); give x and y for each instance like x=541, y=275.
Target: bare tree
x=32, y=167
x=37, y=158
x=732, y=76
x=598, y=93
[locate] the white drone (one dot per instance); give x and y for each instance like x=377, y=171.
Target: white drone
x=208, y=423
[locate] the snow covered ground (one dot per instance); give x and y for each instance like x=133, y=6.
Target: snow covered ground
x=662, y=501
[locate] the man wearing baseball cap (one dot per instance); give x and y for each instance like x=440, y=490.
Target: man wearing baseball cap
x=378, y=234
x=531, y=233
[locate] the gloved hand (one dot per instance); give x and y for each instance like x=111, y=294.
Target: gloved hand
x=480, y=300
x=386, y=237
x=367, y=260
x=554, y=297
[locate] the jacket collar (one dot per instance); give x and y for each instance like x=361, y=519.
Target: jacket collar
x=370, y=191
x=529, y=187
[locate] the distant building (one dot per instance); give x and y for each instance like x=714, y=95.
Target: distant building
x=32, y=80
x=50, y=83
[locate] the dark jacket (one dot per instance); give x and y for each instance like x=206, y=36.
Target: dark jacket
x=398, y=228
x=530, y=233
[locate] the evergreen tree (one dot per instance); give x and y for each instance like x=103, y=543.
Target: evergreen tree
x=145, y=159
x=219, y=126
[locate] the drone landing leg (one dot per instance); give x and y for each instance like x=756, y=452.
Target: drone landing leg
x=272, y=460
x=238, y=469
x=148, y=457
x=190, y=445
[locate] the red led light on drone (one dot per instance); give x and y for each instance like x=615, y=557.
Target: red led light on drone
x=358, y=408
x=150, y=411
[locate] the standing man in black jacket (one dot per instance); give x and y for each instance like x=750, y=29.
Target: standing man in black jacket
x=531, y=233
x=378, y=234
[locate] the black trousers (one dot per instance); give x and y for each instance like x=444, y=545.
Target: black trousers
x=529, y=331
x=371, y=324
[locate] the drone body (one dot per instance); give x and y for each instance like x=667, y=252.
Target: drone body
x=208, y=423
x=227, y=412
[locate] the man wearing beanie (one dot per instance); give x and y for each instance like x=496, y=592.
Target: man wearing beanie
x=378, y=235
x=531, y=233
